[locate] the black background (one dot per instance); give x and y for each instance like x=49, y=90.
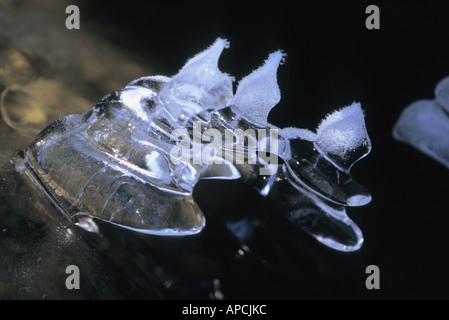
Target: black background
x=332, y=60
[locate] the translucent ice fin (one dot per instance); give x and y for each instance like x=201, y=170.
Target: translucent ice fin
x=314, y=172
x=259, y=92
x=328, y=225
x=199, y=86
x=321, y=161
x=325, y=220
x=342, y=136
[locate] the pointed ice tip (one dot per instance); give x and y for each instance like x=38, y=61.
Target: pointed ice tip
x=342, y=133
x=354, y=111
x=198, y=86
x=259, y=92
x=276, y=58
x=209, y=56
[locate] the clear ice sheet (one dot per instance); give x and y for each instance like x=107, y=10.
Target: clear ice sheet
x=424, y=124
x=114, y=163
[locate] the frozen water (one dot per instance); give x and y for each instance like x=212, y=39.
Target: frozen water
x=342, y=130
x=424, y=124
x=199, y=85
x=342, y=133
x=297, y=133
x=116, y=163
x=259, y=92
x=341, y=137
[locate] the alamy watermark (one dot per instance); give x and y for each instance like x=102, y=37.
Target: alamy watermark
x=373, y=280
x=208, y=146
x=373, y=20
x=73, y=20
x=73, y=280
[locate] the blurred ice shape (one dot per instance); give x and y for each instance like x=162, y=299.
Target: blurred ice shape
x=424, y=124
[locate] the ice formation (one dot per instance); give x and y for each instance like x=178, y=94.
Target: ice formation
x=116, y=162
x=259, y=92
x=199, y=85
x=424, y=124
